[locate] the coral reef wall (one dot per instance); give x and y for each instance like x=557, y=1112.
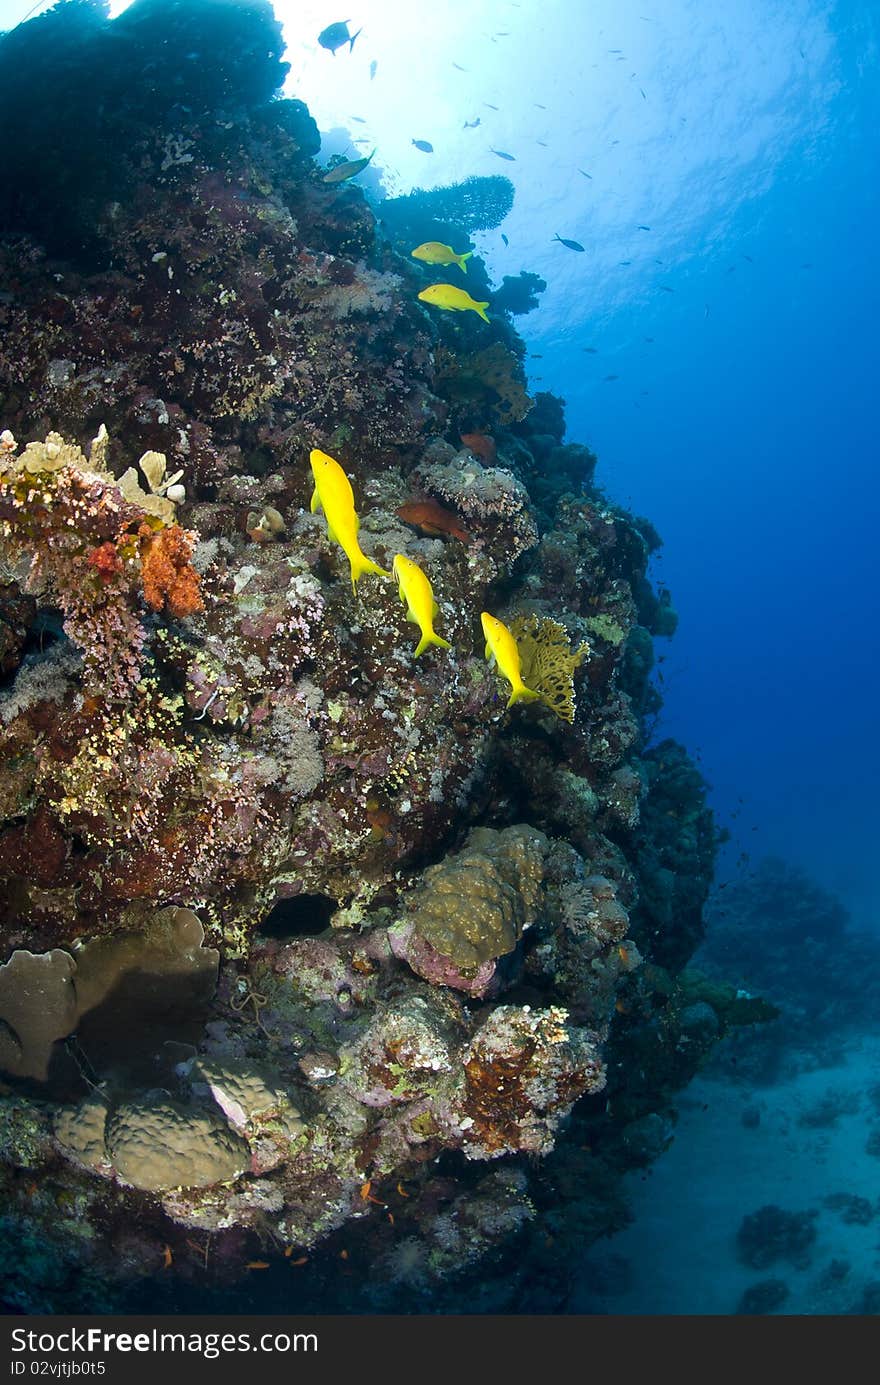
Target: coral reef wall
x=305, y=938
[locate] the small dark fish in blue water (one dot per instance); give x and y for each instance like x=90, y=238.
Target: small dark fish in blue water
x=459, y=68
x=539, y=106
x=611, y=377
x=535, y=357
x=642, y=90
x=585, y=175
x=643, y=228
x=542, y=143
x=423, y=144
x=359, y=118
x=569, y=244
x=622, y=263
x=664, y=288
x=504, y=238
x=593, y=350
x=373, y=66
x=337, y=36
x=749, y=258
x=471, y=124
x=491, y=107
x=649, y=338
x=511, y=158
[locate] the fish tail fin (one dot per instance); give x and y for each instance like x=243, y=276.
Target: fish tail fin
x=481, y=309
x=522, y=694
x=360, y=564
x=460, y=260
x=351, y=40
x=429, y=639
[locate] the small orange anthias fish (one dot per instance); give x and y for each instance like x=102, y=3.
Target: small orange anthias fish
x=481, y=445
x=433, y=519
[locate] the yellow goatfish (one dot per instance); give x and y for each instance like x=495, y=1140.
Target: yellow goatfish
x=421, y=608
x=333, y=494
x=435, y=252
x=455, y=300
x=501, y=649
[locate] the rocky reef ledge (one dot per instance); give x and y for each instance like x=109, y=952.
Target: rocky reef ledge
x=326, y=979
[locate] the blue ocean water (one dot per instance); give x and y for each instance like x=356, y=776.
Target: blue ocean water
x=715, y=342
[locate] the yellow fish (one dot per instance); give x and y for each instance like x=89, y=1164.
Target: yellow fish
x=333, y=494
x=456, y=300
x=421, y=608
x=501, y=649
x=434, y=252
x=342, y=172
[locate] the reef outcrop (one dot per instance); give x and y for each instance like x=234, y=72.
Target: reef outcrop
x=302, y=937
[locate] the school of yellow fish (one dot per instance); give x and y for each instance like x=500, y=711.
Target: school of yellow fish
x=334, y=497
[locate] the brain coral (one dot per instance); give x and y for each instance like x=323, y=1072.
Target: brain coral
x=157, y=1143
x=473, y=906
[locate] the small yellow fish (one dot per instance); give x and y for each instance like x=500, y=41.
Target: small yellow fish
x=455, y=300
x=501, y=649
x=334, y=496
x=435, y=252
x=342, y=172
x=421, y=608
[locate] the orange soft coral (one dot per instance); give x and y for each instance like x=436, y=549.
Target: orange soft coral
x=170, y=581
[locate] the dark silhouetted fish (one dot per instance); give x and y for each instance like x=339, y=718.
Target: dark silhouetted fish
x=539, y=106
x=643, y=228
x=611, y=377
x=542, y=144
x=459, y=68
x=491, y=107
x=511, y=158
x=569, y=244
x=504, y=238
x=585, y=175
x=593, y=350
x=471, y=124
x=423, y=144
x=337, y=36
x=664, y=288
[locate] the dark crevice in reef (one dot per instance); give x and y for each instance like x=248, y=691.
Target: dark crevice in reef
x=230, y=744
x=299, y=916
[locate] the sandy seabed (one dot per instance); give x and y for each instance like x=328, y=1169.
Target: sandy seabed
x=680, y=1253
